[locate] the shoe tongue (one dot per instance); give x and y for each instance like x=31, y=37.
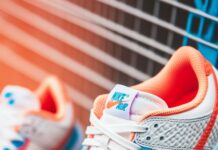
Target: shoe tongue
x=130, y=104
x=19, y=98
x=125, y=105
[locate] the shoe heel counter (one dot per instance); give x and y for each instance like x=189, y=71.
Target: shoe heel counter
x=213, y=138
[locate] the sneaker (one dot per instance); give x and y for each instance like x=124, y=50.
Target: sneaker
x=43, y=120
x=175, y=110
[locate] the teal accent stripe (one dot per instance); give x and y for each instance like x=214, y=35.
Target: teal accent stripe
x=146, y=148
x=74, y=142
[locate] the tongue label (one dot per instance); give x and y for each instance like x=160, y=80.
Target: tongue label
x=119, y=101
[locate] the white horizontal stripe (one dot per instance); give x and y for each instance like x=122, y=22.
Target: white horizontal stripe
x=61, y=34
x=72, y=9
x=37, y=74
x=190, y=9
x=35, y=45
x=133, y=11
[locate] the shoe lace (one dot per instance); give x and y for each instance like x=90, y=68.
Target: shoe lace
x=111, y=131
x=9, y=119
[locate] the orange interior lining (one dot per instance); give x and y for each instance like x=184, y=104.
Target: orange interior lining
x=48, y=102
x=52, y=98
x=177, y=84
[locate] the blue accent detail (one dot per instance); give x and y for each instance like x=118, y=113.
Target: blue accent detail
x=122, y=106
x=75, y=140
x=117, y=96
x=8, y=94
x=146, y=148
x=17, y=143
x=207, y=29
x=11, y=102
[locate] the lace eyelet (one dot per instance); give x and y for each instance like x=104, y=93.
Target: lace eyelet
x=155, y=125
x=161, y=138
x=148, y=138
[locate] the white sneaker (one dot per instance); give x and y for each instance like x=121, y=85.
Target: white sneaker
x=43, y=120
x=175, y=110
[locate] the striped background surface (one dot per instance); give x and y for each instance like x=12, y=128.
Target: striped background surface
x=90, y=44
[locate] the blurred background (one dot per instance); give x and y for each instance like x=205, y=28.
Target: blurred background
x=93, y=44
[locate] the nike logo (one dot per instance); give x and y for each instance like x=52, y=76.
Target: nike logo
x=112, y=103
x=118, y=99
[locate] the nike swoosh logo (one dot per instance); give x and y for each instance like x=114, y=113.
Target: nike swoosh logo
x=112, y=103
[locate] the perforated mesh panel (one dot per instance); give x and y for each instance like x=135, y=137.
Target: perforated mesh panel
x=165, y=133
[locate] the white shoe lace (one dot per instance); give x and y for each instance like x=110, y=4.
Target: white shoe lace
x=111, y=131
x=9, y=119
